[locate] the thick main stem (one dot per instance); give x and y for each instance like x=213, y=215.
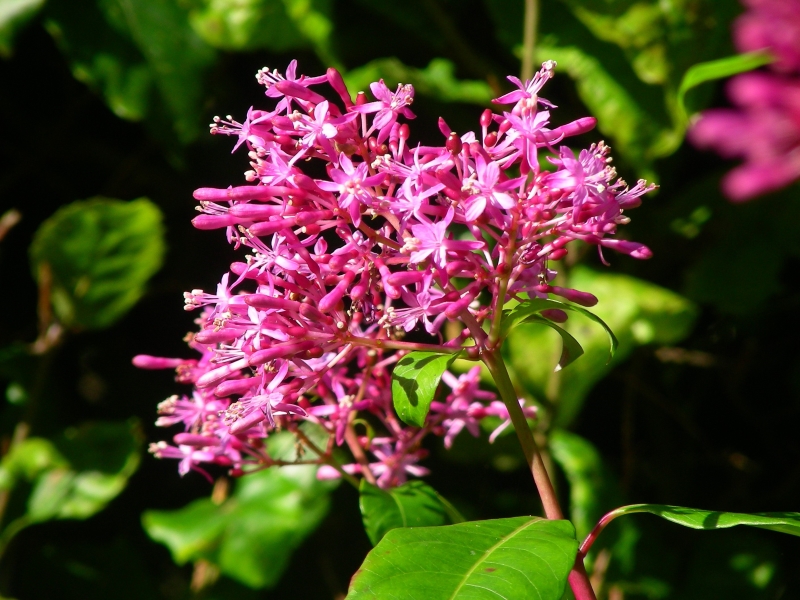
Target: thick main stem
x=578, y=578
x=532, y=455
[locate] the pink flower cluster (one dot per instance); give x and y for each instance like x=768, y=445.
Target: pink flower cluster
x=764, y=128
x=359, y=244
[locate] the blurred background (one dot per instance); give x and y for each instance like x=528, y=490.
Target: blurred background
x=106, y=103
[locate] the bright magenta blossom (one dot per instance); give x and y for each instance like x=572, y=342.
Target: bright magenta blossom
x=399, y=238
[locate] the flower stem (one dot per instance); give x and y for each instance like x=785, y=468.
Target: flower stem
x=578, y=578
x=530, y=22
x=329, y=460
x=497, y=368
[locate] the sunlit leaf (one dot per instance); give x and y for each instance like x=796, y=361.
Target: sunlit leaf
x=251, y=535
x=522, y=557
x=709, y=520
x=312, y=18
x=638, y=311
x=517, y=315
x=414, y=381
x=246, y=25
x=75, y=475
x=413, y=504
x=14, y=15
x=97, y=256
x=527, y=312
x=190, y=533
x=571, y=350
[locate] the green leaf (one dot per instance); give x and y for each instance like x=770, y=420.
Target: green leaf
x=251, y=535
x=75, y=475
x=521, y=557
x=14, y=15
x=627, y=58
x=708, y=520
x=142, y=55
x=640, y=312
x=571, y=350
x=99, y=254
x=246, y=25
x=587, y=476
x=592, y=489
x=517, y=315
x=101, y=457
x=313, y=19
x=437, y=80
x=621, y=111
x=190, y=533
x=718, y=69
x=414, y=381
x=525, y=311
x=413, y=504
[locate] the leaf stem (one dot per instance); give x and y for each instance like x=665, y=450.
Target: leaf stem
x=329, y=460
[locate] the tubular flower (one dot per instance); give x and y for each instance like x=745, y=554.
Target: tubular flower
x=395, y=240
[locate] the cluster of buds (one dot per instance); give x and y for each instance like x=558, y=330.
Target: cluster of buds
x=764, y=126
x=361, y=246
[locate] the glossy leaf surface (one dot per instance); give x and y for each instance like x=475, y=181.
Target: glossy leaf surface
x=413, y=504
x=414, y=381
x=695, y=518
x=521, y=557
x=718, y=69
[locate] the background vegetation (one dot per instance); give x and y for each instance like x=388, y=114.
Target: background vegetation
x=109, y=99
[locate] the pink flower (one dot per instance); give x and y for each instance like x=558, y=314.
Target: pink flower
x=388, y=107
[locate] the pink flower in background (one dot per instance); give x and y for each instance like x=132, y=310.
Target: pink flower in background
x=764, y=126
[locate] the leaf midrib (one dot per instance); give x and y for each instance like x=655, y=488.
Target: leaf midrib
x=488, y=552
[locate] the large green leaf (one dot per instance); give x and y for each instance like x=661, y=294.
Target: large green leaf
x=521, y=557
x=75, y=475
x=638, y=311
x=100, y=254
x=414, y=381
x=252, y=534
x=14, y=15
x=437, y=80
x=413, y=504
